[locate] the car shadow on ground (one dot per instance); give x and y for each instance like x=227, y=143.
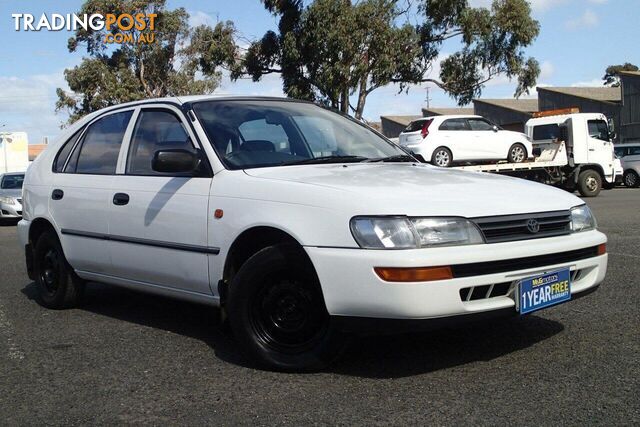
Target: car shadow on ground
x=389, y=356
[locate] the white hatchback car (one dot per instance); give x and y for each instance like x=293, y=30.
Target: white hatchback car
x=303, y=224
x=443, y=140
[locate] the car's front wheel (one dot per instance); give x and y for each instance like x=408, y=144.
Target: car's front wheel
x=277, y=312
x=517, y=153
x=57, y=284
x=631, y=179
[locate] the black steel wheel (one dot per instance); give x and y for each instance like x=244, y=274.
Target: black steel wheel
x=277, y=312
x=57, y=284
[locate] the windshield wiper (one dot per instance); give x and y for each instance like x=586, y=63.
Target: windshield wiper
x=396, y=158
x=326, y=159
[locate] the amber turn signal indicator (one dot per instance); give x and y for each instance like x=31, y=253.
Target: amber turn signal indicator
x=219, y=213
x=417, y=274
x=602, y=249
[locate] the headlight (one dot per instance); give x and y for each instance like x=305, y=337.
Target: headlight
x=582, y=219
x=7, y=200
x=413, y=233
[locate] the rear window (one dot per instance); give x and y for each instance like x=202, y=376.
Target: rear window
x=546, y=132
x=415, y=126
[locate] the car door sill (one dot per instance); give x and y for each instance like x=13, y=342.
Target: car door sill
x=151, y=288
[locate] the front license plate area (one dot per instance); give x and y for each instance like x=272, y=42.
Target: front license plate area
x=538, y=292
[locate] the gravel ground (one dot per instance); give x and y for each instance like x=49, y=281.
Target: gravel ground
x=126, y=357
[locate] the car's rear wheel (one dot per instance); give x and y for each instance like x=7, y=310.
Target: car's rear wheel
x=57, y=284
x=277, y=312
x=631, y=179
x=517, y=153
x=442, y=157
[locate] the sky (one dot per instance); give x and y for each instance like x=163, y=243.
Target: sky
x=578, y=40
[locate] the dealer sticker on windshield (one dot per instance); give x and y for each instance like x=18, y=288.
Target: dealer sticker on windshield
x=543, y=291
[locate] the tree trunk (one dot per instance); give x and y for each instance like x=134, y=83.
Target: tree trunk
x=344, y=107
x=362, y=97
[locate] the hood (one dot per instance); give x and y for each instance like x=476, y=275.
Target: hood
x=17, y=193
x=409, y=189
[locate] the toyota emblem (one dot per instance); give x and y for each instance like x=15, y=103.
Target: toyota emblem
x=533, y=226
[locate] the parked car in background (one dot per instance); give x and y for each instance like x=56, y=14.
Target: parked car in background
x=443, y=140
x=11, y=195
x=303, y=224
x=627, y=149
x=631, y=166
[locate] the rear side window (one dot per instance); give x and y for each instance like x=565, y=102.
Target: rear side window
x=632, y=151
x=454, y=124
x=100, y=147
x=415, y=126
x=546, y=132
x=156, y=130
x=63, y=154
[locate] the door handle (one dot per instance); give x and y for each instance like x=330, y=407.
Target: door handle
x=120, y=199
x=57, y=194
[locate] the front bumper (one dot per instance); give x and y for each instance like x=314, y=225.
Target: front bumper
x=10, y=211
x=352, y=288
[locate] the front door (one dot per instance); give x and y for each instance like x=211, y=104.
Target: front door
x=158, y=221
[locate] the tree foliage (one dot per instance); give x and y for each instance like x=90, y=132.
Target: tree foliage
x=331, y=50
x=612, y=73
x=116, y=73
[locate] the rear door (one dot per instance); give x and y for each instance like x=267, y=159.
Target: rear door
x=457, y=136
x=81, y=187
x=158, y=221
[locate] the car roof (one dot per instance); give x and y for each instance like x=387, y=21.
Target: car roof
x=448, y=116
x=628, y=144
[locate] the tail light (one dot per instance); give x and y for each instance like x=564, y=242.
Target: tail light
x=425, y=129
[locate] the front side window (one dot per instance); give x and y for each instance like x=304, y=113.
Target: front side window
x=479, y=124
x=598, y=129
x=12, y=182
x=634, y=150
x=248, y=134
x=454, y=124
x=156, y=130
x=100, y=147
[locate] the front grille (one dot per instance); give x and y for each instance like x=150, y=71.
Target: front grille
x=510, y=228
x=516, y=264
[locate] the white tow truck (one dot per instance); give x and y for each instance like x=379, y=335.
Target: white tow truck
x=580, y=156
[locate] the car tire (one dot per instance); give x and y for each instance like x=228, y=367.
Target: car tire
x=57, y=284
x=589, y=183
x=631, y=179
x=277, y=312
x=442, y=157
x=517, y=153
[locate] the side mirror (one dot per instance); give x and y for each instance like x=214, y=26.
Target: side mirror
x=175, y=161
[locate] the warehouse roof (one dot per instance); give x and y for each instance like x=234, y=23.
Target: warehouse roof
x=401, y=120
x=426, y=111
x=603, y=94
x=520, y=105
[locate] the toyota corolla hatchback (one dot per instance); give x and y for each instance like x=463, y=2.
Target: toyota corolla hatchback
x=443, y=140
x=302, y=224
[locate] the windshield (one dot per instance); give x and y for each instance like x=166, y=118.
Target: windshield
x=252, y=133
x=12, y=182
